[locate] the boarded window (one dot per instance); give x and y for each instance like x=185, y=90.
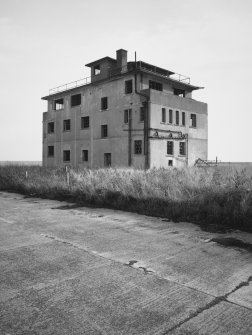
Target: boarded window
x=155, y=85
x=104, y=130
x=177, y=117
x=128, y=86
x=170, y=147
x=142, y=113
x=85, y=122
x=163, y=115
x=104, y=103
x=67, y=125
x=75, y=100
x=182, y=148
x=170, y=116
x=66, y=155
x=50, y=127
x=58, y=104
x=85, y=155
x=107, y=159
x=50, y=151
x=193, y=120
x=183, y=118
x=138, y=147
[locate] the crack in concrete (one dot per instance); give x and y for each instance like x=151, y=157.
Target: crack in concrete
x=131, y=264
x=211, y=304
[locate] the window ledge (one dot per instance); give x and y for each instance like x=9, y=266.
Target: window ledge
x=66, y=131
x=192, y=127
x=169, y=155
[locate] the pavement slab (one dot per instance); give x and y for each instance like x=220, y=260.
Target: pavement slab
x=76, y=270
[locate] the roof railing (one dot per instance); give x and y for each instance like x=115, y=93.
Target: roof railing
x=71, y=85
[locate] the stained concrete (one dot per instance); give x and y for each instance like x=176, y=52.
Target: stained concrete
x=70, y=270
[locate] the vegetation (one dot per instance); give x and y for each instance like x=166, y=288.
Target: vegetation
x=220, y=195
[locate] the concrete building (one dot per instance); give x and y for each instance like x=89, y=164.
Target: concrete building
x=126, y=114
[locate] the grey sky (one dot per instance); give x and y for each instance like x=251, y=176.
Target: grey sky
x=46, y=43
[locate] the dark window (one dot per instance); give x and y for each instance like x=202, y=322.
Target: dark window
x=193, y=120
x=58, y=104
x=177, y=117
x=67, y=125
x=182, y=148
x=163, y=115
x=180, y=93
x=170, y=116
x=142, y=113
x=75, y=100
x=170, y=162
x=155, y=86
x=104, y=103
x=107, y=159
x=85, y=155
x=183, y=118
x=97, y=69
x=50, y=151
x=50, y=127
x=138, y=147
x=104, y=130
x=85, y=122
x=169, y=148
x=66, y=155
x=128, y=86
x=126, y=116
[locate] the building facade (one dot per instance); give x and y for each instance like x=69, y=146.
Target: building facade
x=127, y=114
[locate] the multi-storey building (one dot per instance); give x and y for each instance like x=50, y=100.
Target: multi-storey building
x=126, y=114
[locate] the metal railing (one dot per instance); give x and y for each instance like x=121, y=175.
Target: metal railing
x=71, y=85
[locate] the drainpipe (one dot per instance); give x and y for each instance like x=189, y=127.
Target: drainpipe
x=129, y=138
x=146, y=119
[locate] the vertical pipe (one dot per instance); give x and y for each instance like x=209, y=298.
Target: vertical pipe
x=130, y=138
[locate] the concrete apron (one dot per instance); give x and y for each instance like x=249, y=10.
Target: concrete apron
x=70, y=270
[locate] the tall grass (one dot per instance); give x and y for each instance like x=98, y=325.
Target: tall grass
x=219, y=195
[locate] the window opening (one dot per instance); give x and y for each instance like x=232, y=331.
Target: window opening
x=85, y=122
x=183, y=118
x=128, y=86
x=50, y=127
x=104, y=103
x=85, y=155
x=177, y=117
x=182, y=148
x=58, y=104
x=193, y=120
x=163, y=115
x=107, y=159
x=97, y=69
x=104, y=130
x=67, y=125
x=169, y=147
x=75, y=100
x=50, y=151
x=155, y=85
x=66, y=156
x=138, y=147
x=170, y=116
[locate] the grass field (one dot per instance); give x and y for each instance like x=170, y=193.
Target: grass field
x=218, y=195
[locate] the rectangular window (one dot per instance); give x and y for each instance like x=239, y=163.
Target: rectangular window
x=104, y=130
x=107, y=159
x=104, y=103
x=163, y=115
x=182, y=148
x=75, y=100
x=66, y=155
x=50, y=151
x=85, y=155
x=126, y=116
x=177, y=117
x=67, y=125
x=170, y=116
x=97, y=69
x=183, y=118
x=155, y=85
x=169, y=148
x=142, y=113
x=128, y=86
x=58, y=104
x=50, y=127
x=170, y=162
x=179, y=92
x=193, y=120
x=85, y=122
x=138, y=147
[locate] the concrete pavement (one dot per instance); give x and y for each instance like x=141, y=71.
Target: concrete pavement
x=70, y=270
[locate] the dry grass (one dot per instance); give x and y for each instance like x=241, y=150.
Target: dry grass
x=220, y=195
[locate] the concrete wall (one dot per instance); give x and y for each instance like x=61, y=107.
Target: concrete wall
x=195, y=138
x=90, y=139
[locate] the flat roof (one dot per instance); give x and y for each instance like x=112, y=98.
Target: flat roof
x=101, y=60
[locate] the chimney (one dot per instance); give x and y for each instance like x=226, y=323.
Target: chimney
x=121, y=57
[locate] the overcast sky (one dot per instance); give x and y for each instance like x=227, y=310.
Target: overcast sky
x=46, y=43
